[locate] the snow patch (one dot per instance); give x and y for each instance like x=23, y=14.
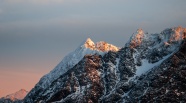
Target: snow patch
x=146, y=66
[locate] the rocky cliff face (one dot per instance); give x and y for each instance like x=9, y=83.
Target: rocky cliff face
x=149, y=68
x=163, y=83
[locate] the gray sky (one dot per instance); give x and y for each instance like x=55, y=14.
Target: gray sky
x=36, y=34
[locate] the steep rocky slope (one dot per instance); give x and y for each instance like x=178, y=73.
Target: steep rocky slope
x=163, y=83
x=88, y=47
x=149, y=68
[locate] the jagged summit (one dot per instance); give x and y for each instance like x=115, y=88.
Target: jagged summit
x=175, y=34
x=136, y=39
x=166, y=37
x=104, y=46
x=101, y=46
x=88, y=44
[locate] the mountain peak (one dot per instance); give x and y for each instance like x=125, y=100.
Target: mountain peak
x=22, y=90
x=140, y=31
x=137, y=38
x=89, y=44
x=88, y=40
x=173, y=35
x=168, y=36
x=19, y=95
x=87, y=47
x=179, y=33
x=99, y=46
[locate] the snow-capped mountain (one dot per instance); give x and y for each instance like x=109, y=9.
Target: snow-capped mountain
x=87, y=47
x=144, y=57
x=14, y=97
x=150, y=67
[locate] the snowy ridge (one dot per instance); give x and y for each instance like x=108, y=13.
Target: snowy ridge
x=161, y=45
x=142, y=53
x=87, y=47
x=151, y=50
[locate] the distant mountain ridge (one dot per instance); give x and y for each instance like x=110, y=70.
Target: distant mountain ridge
x=149, y=68
x=14, y=97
